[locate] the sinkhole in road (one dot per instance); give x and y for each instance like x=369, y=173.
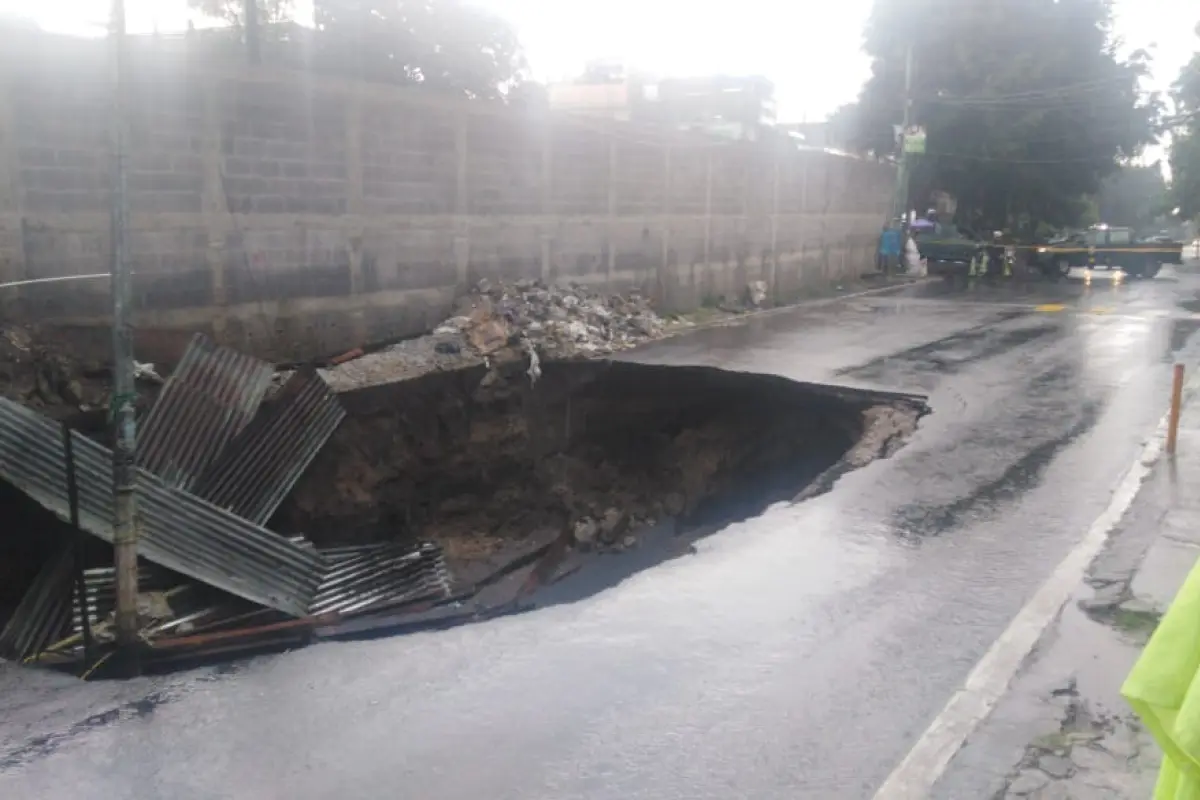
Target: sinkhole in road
x=492, y=465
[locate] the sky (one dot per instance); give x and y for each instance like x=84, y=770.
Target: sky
x=811, y=50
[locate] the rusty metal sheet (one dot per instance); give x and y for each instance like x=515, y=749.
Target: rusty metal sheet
x=179, y=531
x=260, y=466
x=212, y=394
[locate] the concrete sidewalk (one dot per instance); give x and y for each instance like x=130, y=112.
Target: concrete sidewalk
x=1063, y=730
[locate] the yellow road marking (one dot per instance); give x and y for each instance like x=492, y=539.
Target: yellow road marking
x=1050, y=307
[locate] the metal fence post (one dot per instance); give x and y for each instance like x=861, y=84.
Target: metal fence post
x=125, y=530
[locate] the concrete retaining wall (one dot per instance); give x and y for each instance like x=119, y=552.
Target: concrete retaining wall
x=291, y=215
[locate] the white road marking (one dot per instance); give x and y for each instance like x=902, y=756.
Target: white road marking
x=915, y=776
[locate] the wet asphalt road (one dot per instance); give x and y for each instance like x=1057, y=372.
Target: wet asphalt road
x=795, y=655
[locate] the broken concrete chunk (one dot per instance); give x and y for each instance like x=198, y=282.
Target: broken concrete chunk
x=585, y=531
x=1136, y=605
x=611, y=524
x=756, y=293
x=1104, y=599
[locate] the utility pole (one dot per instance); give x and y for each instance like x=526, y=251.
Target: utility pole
x=253, y=42
x=903, y=173
x=125, y=524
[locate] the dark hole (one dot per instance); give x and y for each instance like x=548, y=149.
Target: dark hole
x=483, y=465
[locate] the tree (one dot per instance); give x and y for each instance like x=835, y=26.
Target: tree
x=233, y=11
x=1133, y=196
x=450, y=46
x=1026, y=103
x=1185, y=141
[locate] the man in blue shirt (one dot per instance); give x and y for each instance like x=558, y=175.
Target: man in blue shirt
x=889, y=248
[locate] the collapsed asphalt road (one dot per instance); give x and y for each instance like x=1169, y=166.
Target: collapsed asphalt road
x=795, y=654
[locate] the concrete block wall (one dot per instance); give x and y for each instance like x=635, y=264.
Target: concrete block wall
x=293, y=215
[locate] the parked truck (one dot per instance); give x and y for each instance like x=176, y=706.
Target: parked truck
x=947, y=248
x=1105, y=247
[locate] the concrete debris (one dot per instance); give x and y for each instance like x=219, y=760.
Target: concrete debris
x=612, y=524
x=1105, y=599
x=756, y=293
x=557, y=321
x=1136, y=605
x=585, y=531
x=39, y=373
x=502, y=323
x=146, y=372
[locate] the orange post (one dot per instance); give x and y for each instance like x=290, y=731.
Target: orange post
x=1176, y=399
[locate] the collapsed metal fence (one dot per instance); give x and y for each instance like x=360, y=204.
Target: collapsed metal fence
x=220, y=453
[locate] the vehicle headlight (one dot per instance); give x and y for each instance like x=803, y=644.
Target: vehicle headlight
x=1041, y=249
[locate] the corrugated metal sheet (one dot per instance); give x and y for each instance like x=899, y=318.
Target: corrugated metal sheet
x=261, y=465
x=212, y=394
x=42, y=615
x=100, y=584
x=179, y=531
x=380, y=576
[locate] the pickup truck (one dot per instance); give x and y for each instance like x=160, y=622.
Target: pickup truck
x=947, y=248
x=1108, y=248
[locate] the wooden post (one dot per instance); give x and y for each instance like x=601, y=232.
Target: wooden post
x=1176, y=399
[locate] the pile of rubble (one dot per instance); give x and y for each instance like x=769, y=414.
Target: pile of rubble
x=43, y=374
x=555, y=321
x=500, y=323
x=37, y=375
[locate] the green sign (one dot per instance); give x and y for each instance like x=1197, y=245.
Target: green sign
x=914, y=140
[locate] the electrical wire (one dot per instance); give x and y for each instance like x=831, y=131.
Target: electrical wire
x=1035, y=94
x=1002, y=160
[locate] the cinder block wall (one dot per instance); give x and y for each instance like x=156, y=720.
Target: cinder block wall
x=293, y=215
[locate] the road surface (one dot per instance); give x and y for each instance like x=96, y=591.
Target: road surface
x=799, y=654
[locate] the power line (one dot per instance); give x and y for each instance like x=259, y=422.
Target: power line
x=1043, y=93
x=1043, y=103
x=1002, y=160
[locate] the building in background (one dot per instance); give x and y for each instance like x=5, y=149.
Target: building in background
x=729, y=106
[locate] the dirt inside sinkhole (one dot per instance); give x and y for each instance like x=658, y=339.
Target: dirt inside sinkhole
x=491, y=465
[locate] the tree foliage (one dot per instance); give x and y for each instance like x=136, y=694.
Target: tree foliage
x=233, y=11
x=1133, y=196
x=1185, y=142
x=450, y=46
x=1026, y=103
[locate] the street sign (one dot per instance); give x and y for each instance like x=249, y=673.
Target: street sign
x=914, y=140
